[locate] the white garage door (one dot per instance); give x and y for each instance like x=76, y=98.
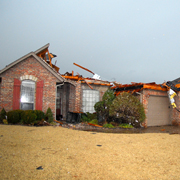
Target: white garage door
x=158, y=111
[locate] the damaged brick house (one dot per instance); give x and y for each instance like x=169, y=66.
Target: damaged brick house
x=30, y=82
x=82, y=96
x=34, y=82
x=156, y=102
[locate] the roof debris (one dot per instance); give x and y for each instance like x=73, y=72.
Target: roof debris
x=171, y=87
x=136, y=87
x=45, y=55
x=95, y=76
x=88, y=81
x=94, y=80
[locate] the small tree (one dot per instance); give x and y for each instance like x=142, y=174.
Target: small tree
x=49, y=115
x=102, y=107
x=128, y=107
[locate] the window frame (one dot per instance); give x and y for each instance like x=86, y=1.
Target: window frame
x=30, y=100
x=88, y=106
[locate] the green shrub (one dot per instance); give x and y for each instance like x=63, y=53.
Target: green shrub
x=102, y=107
x=99, y=107
x=87, y=117
x=128, y=107
x=24, y=117
x=28, y=117
x=49, y=115
x=13, y=117
x=108, y=96
x=5, y=121
x=125, y=126
x=40, y=115
x=94, y=121
x=19, y=111
x=84, y=118
x=108, y=125
x=3, y=115
x=91, y=116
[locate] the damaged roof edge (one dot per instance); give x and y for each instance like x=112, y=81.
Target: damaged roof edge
x=71, y=82
x=41, y=61
x=42, y=48
x=138, y=87
x=48, y=67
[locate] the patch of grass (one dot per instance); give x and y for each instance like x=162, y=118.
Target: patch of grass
x=108, y=125
x=125, y=126
x=53, y=123
x=94, y=121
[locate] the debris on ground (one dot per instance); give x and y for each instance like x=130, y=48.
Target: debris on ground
x=40, y=168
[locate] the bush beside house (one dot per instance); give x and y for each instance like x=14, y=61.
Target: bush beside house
x=2, y=115
x=125, y=108
x=26, y=117
x=102, y=107
x=128, y=108
x=49, y=115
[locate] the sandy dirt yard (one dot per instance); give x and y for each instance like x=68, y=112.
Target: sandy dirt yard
x=71, y=154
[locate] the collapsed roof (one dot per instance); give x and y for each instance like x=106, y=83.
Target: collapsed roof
x=174, y=85
x=88, y=81
x=136, y=87
x=94, y=80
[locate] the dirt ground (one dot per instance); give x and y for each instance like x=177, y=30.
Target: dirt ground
x=63, y=153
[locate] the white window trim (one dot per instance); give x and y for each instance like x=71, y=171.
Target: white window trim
x=34, y=84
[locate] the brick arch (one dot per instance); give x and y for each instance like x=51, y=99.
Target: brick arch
x=28, y=77
x=38, y=93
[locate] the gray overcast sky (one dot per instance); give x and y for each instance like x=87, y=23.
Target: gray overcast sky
x=123, y=40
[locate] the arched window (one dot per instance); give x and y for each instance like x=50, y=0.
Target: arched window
x=27, y=95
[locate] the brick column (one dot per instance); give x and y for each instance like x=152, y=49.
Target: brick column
x=145, y=97
x=78, y=97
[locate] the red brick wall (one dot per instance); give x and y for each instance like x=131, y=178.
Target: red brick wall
x=78, y=99
x=79, y=92
x=72, y=98
x=29, y=66
x=67, y=95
